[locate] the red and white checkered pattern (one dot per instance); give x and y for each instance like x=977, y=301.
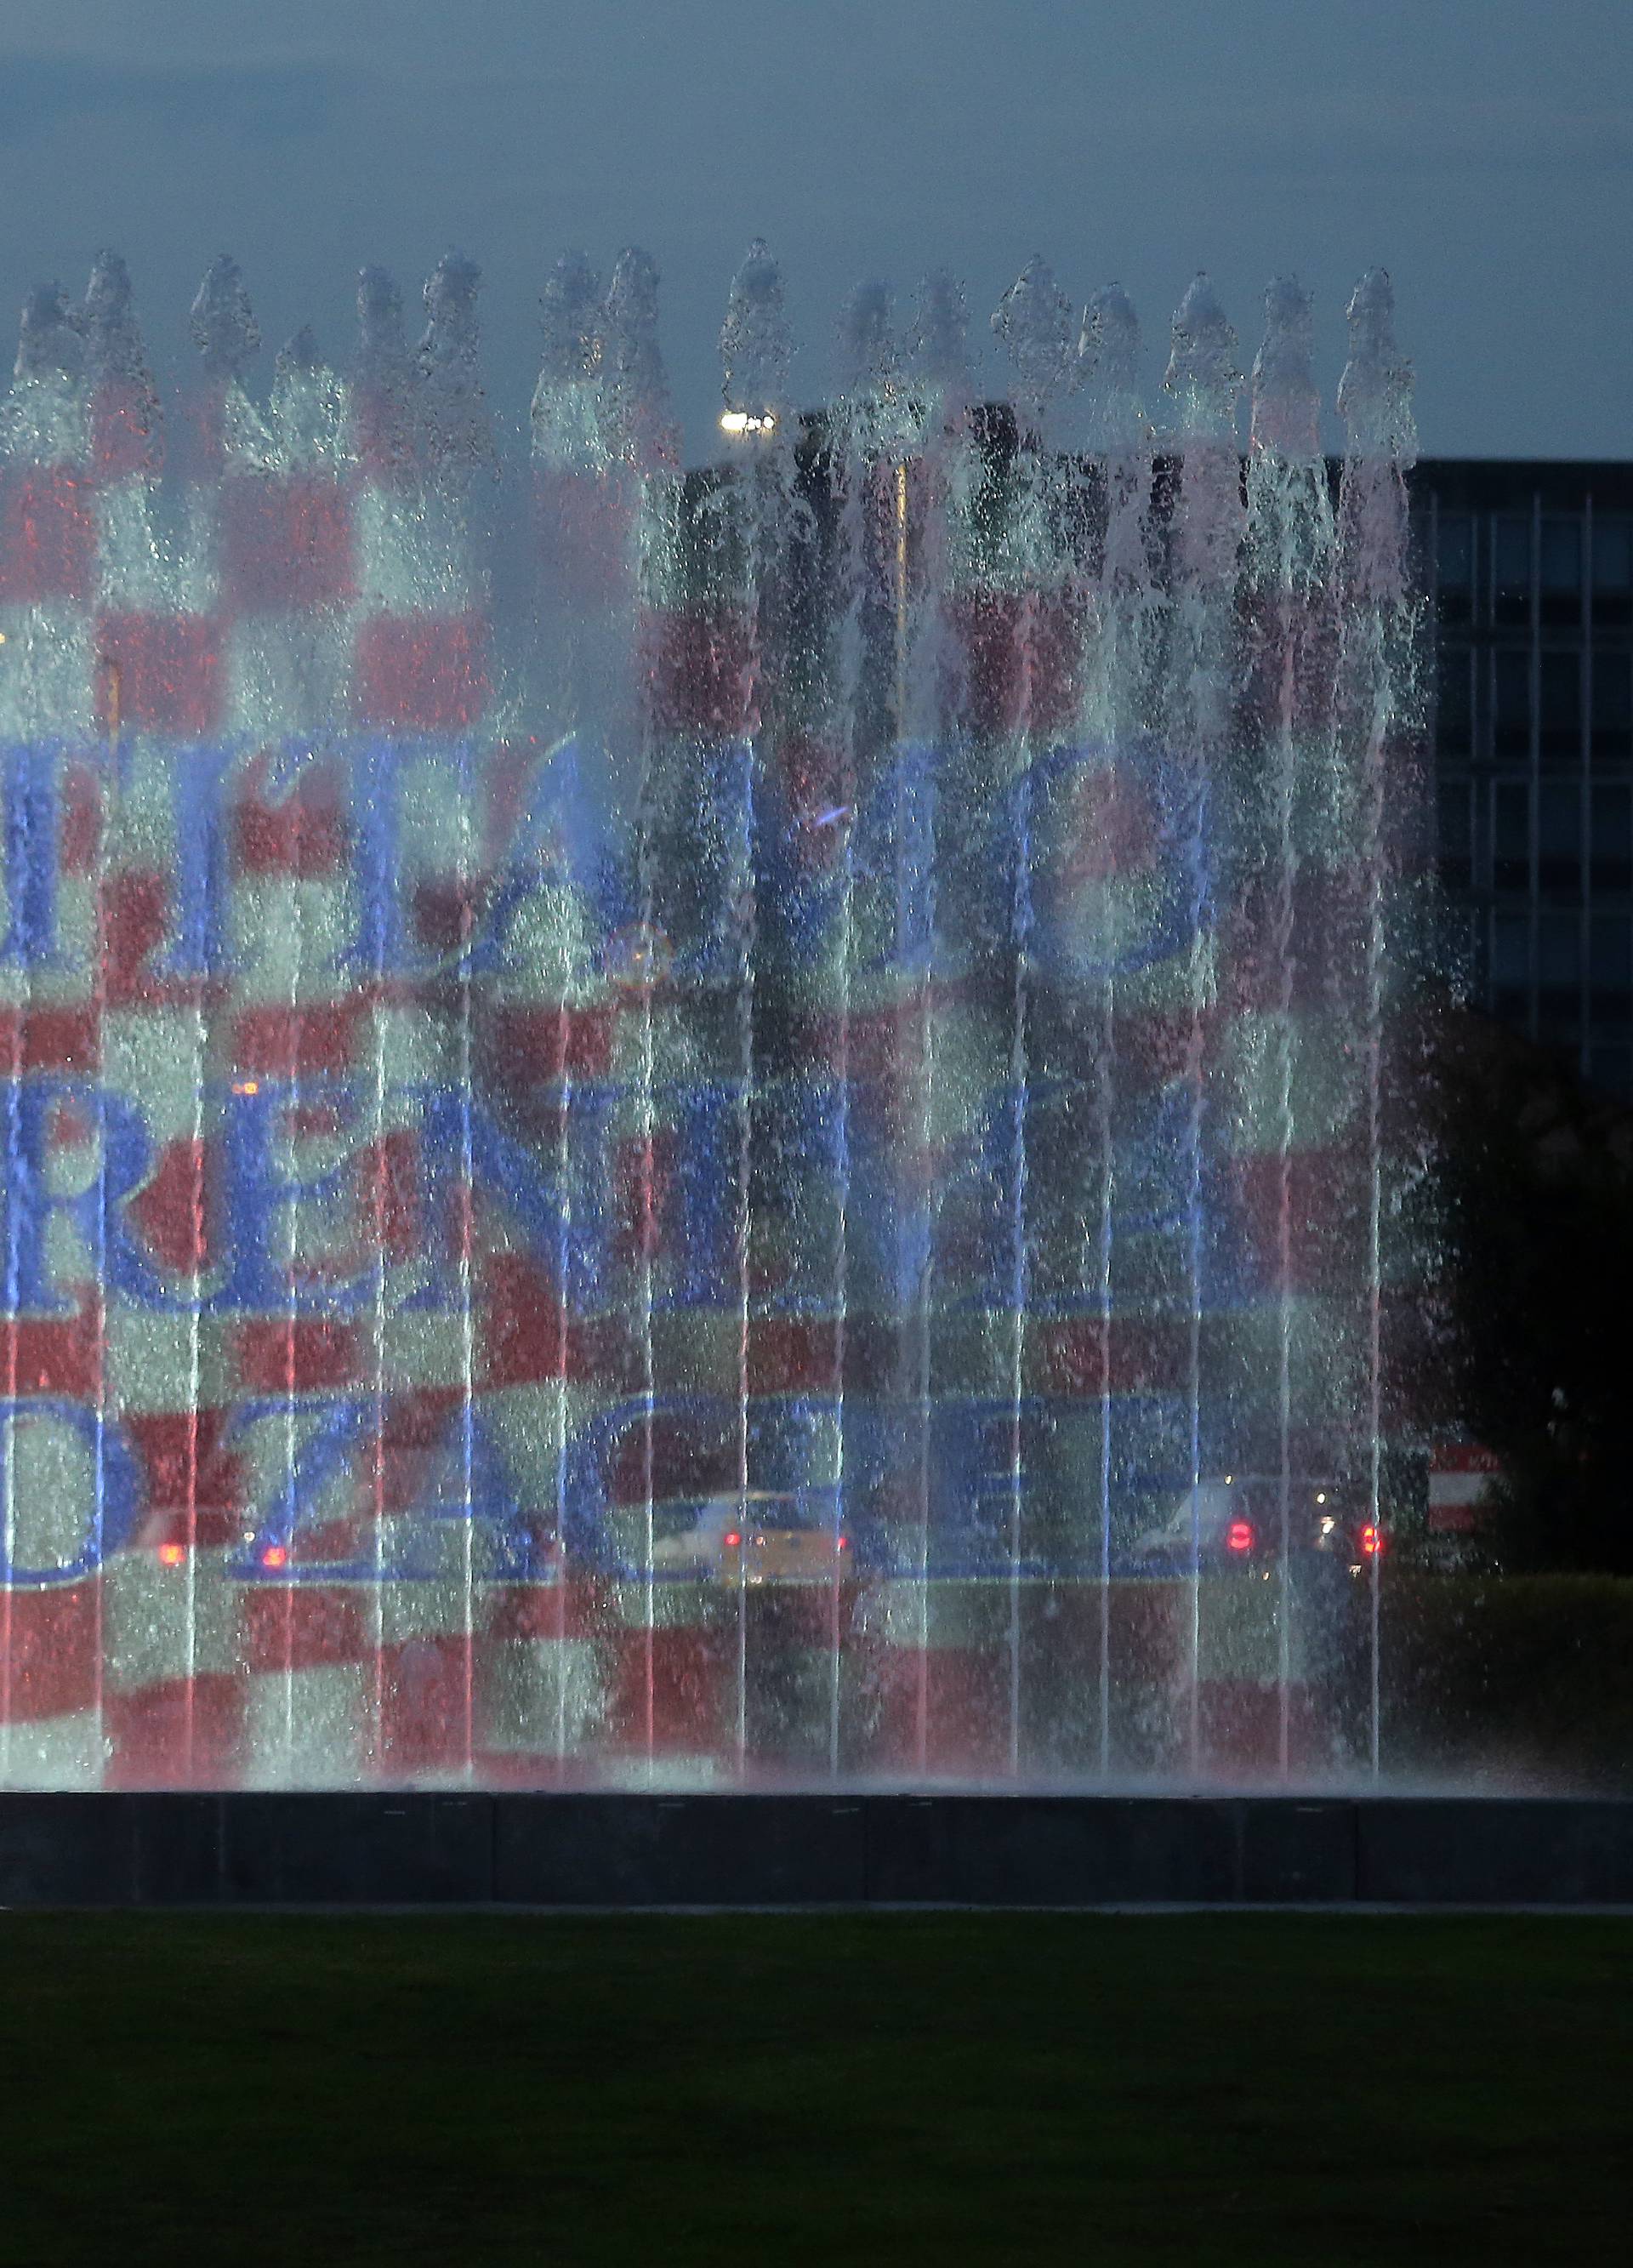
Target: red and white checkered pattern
x=310, y=596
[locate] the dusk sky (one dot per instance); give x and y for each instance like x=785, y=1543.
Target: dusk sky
x=1481, y=149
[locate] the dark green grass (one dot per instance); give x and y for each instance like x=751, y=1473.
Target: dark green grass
x=897, y=2087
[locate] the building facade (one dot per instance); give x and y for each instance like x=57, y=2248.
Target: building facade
x=1530, y=567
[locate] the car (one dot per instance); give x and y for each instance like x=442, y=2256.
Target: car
x=688, y=1540
x=753, y=1537
x=1236, y=1522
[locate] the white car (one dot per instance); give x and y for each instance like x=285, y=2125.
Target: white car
x=764, y=1536
x=1215, y=1513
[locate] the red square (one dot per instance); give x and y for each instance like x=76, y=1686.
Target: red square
x=790, y=1355
x=427, y=673
x=124, y=430
x=1019, y=655
x=425, y=1702
x=51, y=1642
x=81, y=836
x=447, y=909
x=699, y=670
x=303, y=835
x=47, y=537
x=291, y=1044
x=185, y=1465
x=41, y=1355
x=136, y=914
x=525, y=1324
x=160, y=673
x=49, y=1039
x=178, y=1733
x=306, y=1354
x=669, y=1686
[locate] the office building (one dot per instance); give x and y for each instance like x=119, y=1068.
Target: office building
x=1530, y=572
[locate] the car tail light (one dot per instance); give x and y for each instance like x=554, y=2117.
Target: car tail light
x=1239, y=1535
x=172, y=1555
x=274, y=1556
x=1372, y=1541
x=732, y=1539
x=843, y=1543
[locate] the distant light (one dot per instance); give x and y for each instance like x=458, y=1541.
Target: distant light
x=1239, y=1535
x=172, y=1555
x=1321, y=1496
x=274, y=1556
x=745, y=421
x=1229, y=1478
x=639, y=952
x=1329, y=1524
x=247, y=1086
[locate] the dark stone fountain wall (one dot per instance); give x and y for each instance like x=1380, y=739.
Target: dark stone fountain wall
x=810, y=1850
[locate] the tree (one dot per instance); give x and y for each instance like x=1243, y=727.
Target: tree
x=1536, y=1184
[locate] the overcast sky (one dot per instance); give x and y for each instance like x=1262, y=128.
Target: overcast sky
x=1482, y=150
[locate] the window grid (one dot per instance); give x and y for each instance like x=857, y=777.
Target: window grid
x=1533, y=680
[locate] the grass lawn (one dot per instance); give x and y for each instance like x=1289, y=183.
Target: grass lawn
x=1233, y=2087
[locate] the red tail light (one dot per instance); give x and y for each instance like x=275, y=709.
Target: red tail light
x=843, y=1543
x=1239, y=1535
x=1372, y=1541
x=172, y=1555
x=732, y=1540
x=274, y=1556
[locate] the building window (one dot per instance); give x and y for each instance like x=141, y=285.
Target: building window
x=1511, y=968
x=1511, y=712
x=1454, y=566
x=1455, y=803
x=1613, y=573
x=1511, y=836
x=1610, y=968
x=1454, y=709
x=1559, y=838
x=1559, y=707
x=1610, y=840
x=1511, y=572
x=1613, y=706
x=1561, y=577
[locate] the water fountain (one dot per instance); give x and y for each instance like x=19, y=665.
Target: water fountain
x=698, y=1129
